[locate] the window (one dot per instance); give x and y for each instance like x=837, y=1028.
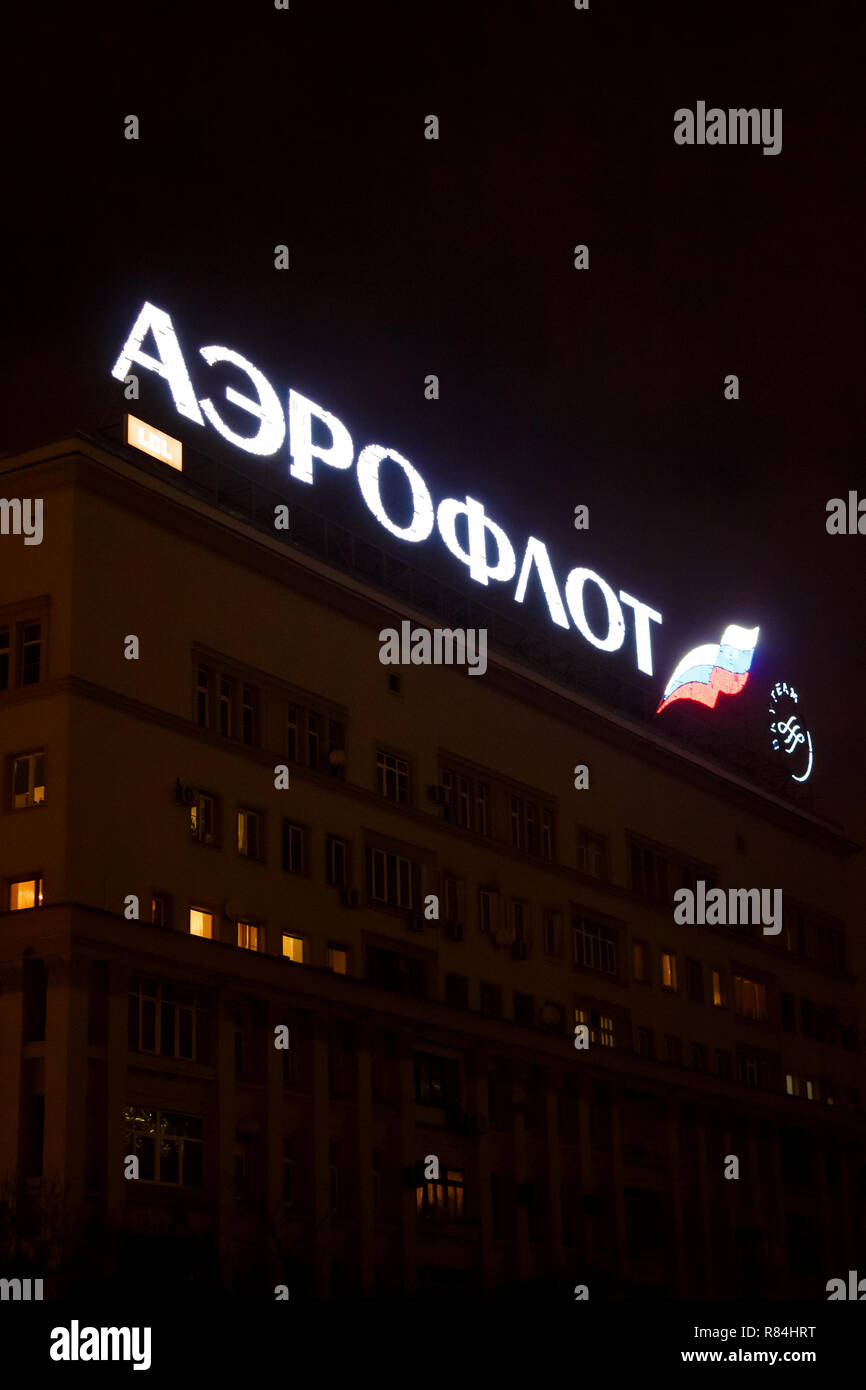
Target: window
x=695, y=980
x=336, y=854
x=200, y=922
x=393, y=971
x=532, y=827
x=292, y=743
x=524, y=1010
x=24, y=893
x=692, y=874
x=31, y=653
x=807, y=1018
x=168, y=1146
x=552, y=931
x=488, y=909
x=294, y=848
x=202, y=818
x=202, y=696
x=251, y=840
x=293, y=948
x=451, y=898
x=28, y=780
x=750, y=997
x=600, y=1026
x=289, y=1170
x=673, y=1049
x=640, y=961
x=669, y=970
x=337, y=749
x=720, y=990
x=519, y=915
x=753, y=1071
x=437, y=1080
x=481, y=808
x=444, y=1198
x=699, y=1056
x=645, y=1043
x=491, y=1000
x=389, y=878
x=393, y=777
x=789, y=1012
x=160, y=910
x=723, y=1065
x=4, y=658
x=338, y=959
x=591, y=854
x=250, y=715
x=464, y=802
x=224, y=706
x=248, y=936
x=649, y=874
x=594, y=946
x=457, y=991
x=168, y=1019
x=830, y=946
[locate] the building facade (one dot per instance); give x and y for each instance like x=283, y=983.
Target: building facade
x=226, y=826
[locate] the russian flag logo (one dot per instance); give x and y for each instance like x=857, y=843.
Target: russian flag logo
x=715, y=669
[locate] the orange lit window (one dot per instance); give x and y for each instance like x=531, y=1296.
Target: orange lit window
x=337, y=959
x=669, y=970
x=248, y=936
x=293, y=948
x=200, y=923
x=24, y=893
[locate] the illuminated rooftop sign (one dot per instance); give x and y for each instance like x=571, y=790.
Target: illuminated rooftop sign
x=717, y=668
x=465, y=529
x=154, y=442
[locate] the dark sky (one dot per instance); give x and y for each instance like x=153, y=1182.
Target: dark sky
x=410, y=256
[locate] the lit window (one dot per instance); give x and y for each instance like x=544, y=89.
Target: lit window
x=248, y=936
x=750, y=997
x=338, y=959
x=250, y=838
x=202, y=818
x=168, y=1146
x=24, y=893
x=293, y=948
x=159, y=910
x=393, y=777
x=443, y=1199
x=28, y=780
x=601, y=1027
x=719, y=996
x=669, y=970
x=200, y=923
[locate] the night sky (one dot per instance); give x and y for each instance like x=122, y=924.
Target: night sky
x=455, y=257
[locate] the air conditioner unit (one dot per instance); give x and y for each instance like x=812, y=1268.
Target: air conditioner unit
x=415, y=922
x=350, y=897
x=520, y=950
x=454, y=931
x=439, y=794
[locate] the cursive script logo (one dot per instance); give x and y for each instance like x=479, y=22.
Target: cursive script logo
x=787, y=735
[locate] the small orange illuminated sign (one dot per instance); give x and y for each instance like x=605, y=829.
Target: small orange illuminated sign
x=154, y=442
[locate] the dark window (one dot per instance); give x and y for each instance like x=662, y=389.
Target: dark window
x=250, y=715
x=202, y=697
x=645, y=1042
x=35, y=989
x=807, y=1018
x=4, y=658
x=294, y=848
x=649, y=874
x=335, y=861
x=168, y=1019
x=31, y=653
x=524, y=1010
x=491, y=1000
x=457, y=991
x=789, y=1012
x=723, y=1065
x=437, y=1080
x=168, y=1146
x=695, y=980
x=389, y=970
